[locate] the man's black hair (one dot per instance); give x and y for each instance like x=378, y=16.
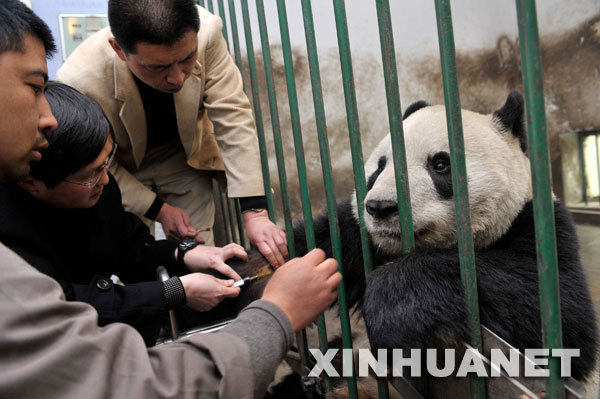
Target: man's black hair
x=16, y=21
x=79, y=138
x=158, y=22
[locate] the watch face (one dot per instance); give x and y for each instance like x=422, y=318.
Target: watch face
x=187, y=243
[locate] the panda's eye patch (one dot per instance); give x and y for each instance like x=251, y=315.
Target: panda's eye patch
x=380, y=167
x=438, y=166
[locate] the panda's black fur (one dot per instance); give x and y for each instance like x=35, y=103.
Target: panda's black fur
x=418, y=297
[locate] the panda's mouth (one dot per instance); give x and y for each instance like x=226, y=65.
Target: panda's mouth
x=396, y=234
x=390, y=233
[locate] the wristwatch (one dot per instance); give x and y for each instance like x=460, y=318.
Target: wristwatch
x=183, y=246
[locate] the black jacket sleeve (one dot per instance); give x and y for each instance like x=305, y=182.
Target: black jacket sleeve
x=140, y=253
x=141, y=305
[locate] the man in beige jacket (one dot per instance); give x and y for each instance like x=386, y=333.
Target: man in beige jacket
x=50, y=348
x=164, y=78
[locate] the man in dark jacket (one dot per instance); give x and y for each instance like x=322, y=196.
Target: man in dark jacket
x=67, y=221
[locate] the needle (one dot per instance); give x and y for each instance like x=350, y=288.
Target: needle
x=243, y=281
x=264, y=273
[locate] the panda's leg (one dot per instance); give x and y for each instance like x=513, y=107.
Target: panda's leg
x=415, y=300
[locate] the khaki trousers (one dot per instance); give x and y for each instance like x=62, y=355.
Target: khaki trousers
x=166, y=172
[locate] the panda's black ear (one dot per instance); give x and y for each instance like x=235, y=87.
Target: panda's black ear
x=511, y=116
x=414, y=107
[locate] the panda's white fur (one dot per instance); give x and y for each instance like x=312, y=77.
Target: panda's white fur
x=499, y=181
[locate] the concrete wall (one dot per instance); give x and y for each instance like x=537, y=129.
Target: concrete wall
x=488, y=55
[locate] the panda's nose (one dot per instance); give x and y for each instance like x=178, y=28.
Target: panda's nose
x=381, y=209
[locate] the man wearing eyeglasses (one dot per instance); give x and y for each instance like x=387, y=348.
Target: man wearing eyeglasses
x=173, y=96
x=67, y=220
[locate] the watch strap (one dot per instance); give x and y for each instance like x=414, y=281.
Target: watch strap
x=185, y=245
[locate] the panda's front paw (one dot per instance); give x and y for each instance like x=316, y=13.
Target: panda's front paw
x=415, y=301
x=389, y=311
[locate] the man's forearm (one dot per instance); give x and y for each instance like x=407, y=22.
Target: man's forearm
x=269, y=334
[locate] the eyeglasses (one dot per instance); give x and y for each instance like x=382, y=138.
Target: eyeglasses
x=96, y=178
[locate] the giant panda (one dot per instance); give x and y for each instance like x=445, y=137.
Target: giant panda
x=415, y=300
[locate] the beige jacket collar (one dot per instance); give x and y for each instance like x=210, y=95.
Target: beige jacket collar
x=187, y=106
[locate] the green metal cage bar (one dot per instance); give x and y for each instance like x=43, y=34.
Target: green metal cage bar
x=300, y=159
x=328, y=181
x=224, y=19
x=240, y=222
x=209, y=3
x=232, y=220
x=260, y=132
x=285, y=197
x=543, y=205
x=459, y=180
x=222, y=201
x=358, y=166
x=295, y=119
x=392, y=91
x=201, y=3
x=281, y=169
x=353, y=127
x=355, y=141
x=237, y=53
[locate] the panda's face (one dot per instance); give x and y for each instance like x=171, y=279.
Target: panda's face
x=498, y=178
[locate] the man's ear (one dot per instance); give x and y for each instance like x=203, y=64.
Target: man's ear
x=118, y=49
x=29, y=185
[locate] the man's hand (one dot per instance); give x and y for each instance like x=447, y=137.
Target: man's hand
x=268, y=238
x=304, y=287
x=204, y=292
x=175, y=222
x=213, y=258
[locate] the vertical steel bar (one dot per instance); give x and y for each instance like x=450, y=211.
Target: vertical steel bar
x=285, y=197
x=295, y=119
x=240, y=222
x=257, y=111
x=392, y=91
x=543, y=205
x=353, y=127
x=222, y=201
x=224, y=19
x=238, y=61
x=300, y=159
x=230, y=204
x=201, y=3
x=209, y=3
x=334, y=227
x=237, y=53
x=459, y=179
x=301, y=337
